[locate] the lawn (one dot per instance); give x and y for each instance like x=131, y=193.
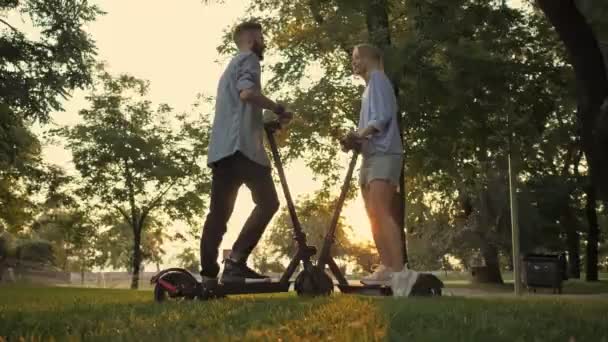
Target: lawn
x=570, y=287
x=96, y=314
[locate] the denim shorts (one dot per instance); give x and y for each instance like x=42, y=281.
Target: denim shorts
x=381, y=167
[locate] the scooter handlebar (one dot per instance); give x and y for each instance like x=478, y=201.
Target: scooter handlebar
x=273, y=125
x=349, y=144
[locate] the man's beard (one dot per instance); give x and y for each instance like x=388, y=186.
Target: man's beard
x=258, y=50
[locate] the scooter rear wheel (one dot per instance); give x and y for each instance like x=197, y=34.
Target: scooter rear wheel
x=175, y=286
x=313, y=283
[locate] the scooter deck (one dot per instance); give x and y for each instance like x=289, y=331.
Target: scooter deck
x=251, y=288
x=367, y=290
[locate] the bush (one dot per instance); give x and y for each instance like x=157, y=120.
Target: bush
x=6, y=246
x=37, y=251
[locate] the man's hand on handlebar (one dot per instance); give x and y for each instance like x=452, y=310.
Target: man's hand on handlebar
x=284, y=116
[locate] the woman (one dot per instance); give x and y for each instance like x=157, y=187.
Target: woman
x=382, y=151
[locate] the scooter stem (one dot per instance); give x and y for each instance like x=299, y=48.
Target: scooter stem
x=299, y=235
x=330, y=236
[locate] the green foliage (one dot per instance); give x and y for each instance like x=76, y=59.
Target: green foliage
x=133, y=160
x=38, y=72
x=37, y=251
x=314, y=214
x=364, y=256
x=20, y=172
x=73, y=235
x=189, y=259
x=7, y=246
x=115, y=243
x=264, y=263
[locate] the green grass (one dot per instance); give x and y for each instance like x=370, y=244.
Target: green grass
x=574, y=287
x=102, y=315
x=506, y=276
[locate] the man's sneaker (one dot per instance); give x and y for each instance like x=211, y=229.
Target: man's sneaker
x=403, y=282
x=381, y=276
x=236, y=272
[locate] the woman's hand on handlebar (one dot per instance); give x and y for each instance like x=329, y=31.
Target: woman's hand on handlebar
x=351, y=141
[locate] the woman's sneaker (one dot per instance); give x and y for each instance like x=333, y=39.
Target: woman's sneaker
x=403, y=282
x=236, y=272
x=381, y=276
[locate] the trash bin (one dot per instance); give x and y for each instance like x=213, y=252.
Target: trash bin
x=543, y=271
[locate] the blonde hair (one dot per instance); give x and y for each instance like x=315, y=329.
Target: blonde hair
x=371, y=52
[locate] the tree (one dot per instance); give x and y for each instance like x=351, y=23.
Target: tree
x=65, y=221
x=315, y=215
x=265, y=262
x=585, y=55
x=365, y=257
x=35, y=74
x=114, y=243
x=133, y=162
x=21, y=170
x=7, y=252
x=189, y=259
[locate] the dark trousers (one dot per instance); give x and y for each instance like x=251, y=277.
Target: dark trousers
x=228, y=176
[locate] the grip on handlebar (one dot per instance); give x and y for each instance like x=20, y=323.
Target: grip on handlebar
x=272, y=126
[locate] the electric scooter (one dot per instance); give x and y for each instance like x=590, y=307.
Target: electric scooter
x=426, y=285
x=180, y=284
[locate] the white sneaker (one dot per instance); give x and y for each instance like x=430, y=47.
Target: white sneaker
x=403, y=282
x=381, y=276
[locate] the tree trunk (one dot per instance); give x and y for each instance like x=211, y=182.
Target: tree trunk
x=572, y=243
x=136, y=224
x=136, y=256
x=3, y=268
x=592, y=84
x=82, y=274
x=569, y=220
x=491, y=271
x=592, y=236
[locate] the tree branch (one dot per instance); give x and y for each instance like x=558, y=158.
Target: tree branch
x=155, y=201
x=123, y=212
x=10, y=26
x=591, y=79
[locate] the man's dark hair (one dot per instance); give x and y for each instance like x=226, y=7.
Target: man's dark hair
x=246, y=26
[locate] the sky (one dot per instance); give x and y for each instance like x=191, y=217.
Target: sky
x=174, y=47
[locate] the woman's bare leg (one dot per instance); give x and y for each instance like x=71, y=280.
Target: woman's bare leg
x=380, y=199
x=379, y=239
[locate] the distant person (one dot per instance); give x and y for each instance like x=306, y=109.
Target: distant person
x=382, y=152
x=236, y=156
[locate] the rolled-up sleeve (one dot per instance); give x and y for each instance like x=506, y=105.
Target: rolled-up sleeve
x=380, y=97
x=248, y=73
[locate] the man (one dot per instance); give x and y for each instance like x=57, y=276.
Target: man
x=236, y=156
x=382, y=151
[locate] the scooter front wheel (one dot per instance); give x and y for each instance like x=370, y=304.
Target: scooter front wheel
x=175, y=285
x=313, y=283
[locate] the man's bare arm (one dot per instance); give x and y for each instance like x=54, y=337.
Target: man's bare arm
x=258, y=99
